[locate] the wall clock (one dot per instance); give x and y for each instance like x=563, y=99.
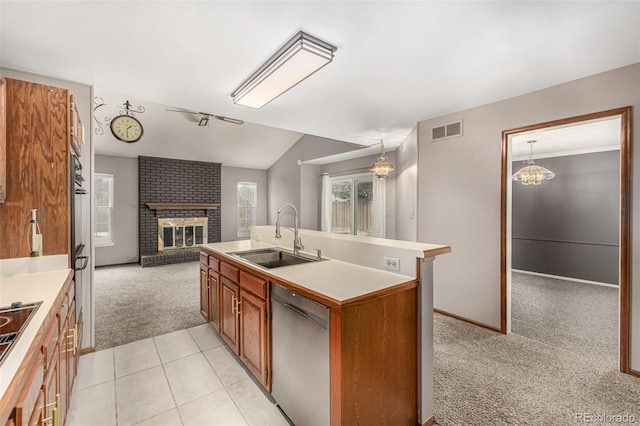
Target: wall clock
x=124, y=125
x=126, y=128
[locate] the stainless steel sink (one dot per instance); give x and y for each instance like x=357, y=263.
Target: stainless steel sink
x=273, y=258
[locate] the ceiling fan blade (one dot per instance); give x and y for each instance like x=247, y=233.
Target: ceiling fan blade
x=188, y=115
x=229, y=120
x=183, y=110
x=206, y=116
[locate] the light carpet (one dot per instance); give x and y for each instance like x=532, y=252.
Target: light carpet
x=486, y=378
x=578, y=317
x=133, y=303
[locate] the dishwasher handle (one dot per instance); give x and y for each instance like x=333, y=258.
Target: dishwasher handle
x=304, y=314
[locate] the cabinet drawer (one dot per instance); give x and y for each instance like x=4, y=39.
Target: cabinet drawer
x=253, y=284
x=49, y=349
x=229, y=271
x=66, y=302
x=214, y=264
x=204, y=258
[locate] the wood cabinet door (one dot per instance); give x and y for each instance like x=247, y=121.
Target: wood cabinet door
x=38, y=412
x=39, y=177
x=30, y=401
x=74, y=346
x=214, y=300
x=229, y=321
x=253, y=334
x=204, y=292
x=68, y=353
x=79, y=331
x=63, y=368
x=52, y=392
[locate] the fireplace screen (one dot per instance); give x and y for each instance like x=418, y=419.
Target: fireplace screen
x=180, y=233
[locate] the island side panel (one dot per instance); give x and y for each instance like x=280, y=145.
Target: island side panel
x=378, y=361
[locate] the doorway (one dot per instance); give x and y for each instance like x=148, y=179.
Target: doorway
x=624, y=115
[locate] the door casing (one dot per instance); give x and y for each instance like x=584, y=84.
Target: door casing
x=625, y=219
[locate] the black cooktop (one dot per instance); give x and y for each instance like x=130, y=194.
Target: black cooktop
x=13, y=320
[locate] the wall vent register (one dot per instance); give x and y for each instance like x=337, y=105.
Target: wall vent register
x=182, y=233
x=447, y=131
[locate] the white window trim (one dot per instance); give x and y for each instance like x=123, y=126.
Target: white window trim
x=241, y=233
x=101, y=241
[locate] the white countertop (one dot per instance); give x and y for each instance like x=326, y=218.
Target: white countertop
x=27, y=288
x=340, y=281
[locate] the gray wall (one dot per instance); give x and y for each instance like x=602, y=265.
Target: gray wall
x=284, y=176
x=125, y=210
x=406, y=174
x=568, y=226
x=230, y=177
x=363, y=163
x=310, y=193
x=459, y=182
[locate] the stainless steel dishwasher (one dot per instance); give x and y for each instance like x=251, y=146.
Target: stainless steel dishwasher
x=300, y=357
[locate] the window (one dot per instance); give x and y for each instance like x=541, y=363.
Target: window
x=247, y=203
x=352, y=204
x=103, y=209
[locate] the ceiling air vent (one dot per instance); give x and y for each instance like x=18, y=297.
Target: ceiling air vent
x=447, y=131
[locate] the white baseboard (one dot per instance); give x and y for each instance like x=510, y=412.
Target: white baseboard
x=577, y=280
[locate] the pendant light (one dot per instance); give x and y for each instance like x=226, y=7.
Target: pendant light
x=531, y=174
x=382, y=166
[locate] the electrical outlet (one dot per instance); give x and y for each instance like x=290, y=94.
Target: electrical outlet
x=392, y=264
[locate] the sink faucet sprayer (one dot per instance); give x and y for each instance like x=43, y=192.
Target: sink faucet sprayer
x=297, y=241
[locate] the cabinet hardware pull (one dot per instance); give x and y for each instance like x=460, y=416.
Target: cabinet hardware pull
x=234, y=304
x=238, y=311
x=56, y=411
x=75, y=338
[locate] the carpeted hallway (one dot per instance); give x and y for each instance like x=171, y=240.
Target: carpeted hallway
x=578, y=317
x=134, y=303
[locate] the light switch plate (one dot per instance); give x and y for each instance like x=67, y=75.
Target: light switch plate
x=391, y=264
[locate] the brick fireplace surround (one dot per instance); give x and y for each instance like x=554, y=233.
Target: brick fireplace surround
x=166, y=180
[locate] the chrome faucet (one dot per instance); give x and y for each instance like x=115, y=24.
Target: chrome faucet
x=297, y=241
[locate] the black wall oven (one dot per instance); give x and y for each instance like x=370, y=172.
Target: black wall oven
x=79, y=260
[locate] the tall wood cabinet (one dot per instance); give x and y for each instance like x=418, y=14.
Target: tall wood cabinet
x=38, y=135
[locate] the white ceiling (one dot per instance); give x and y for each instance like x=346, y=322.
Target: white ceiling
x=177, y=135
x=397, y=63
x=587, y=136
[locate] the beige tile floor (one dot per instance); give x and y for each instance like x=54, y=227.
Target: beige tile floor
x=188, y=378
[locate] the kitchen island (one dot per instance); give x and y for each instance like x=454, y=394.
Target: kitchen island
x=376, y=355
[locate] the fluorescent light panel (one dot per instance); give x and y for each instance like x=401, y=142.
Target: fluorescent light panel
x=296, y=60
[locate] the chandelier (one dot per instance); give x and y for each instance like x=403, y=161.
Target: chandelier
x=532, y=174
x=382, y=166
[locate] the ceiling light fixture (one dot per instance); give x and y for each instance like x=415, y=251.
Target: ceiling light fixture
x=382, y=166
x=532, y=174
x=293, y=62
